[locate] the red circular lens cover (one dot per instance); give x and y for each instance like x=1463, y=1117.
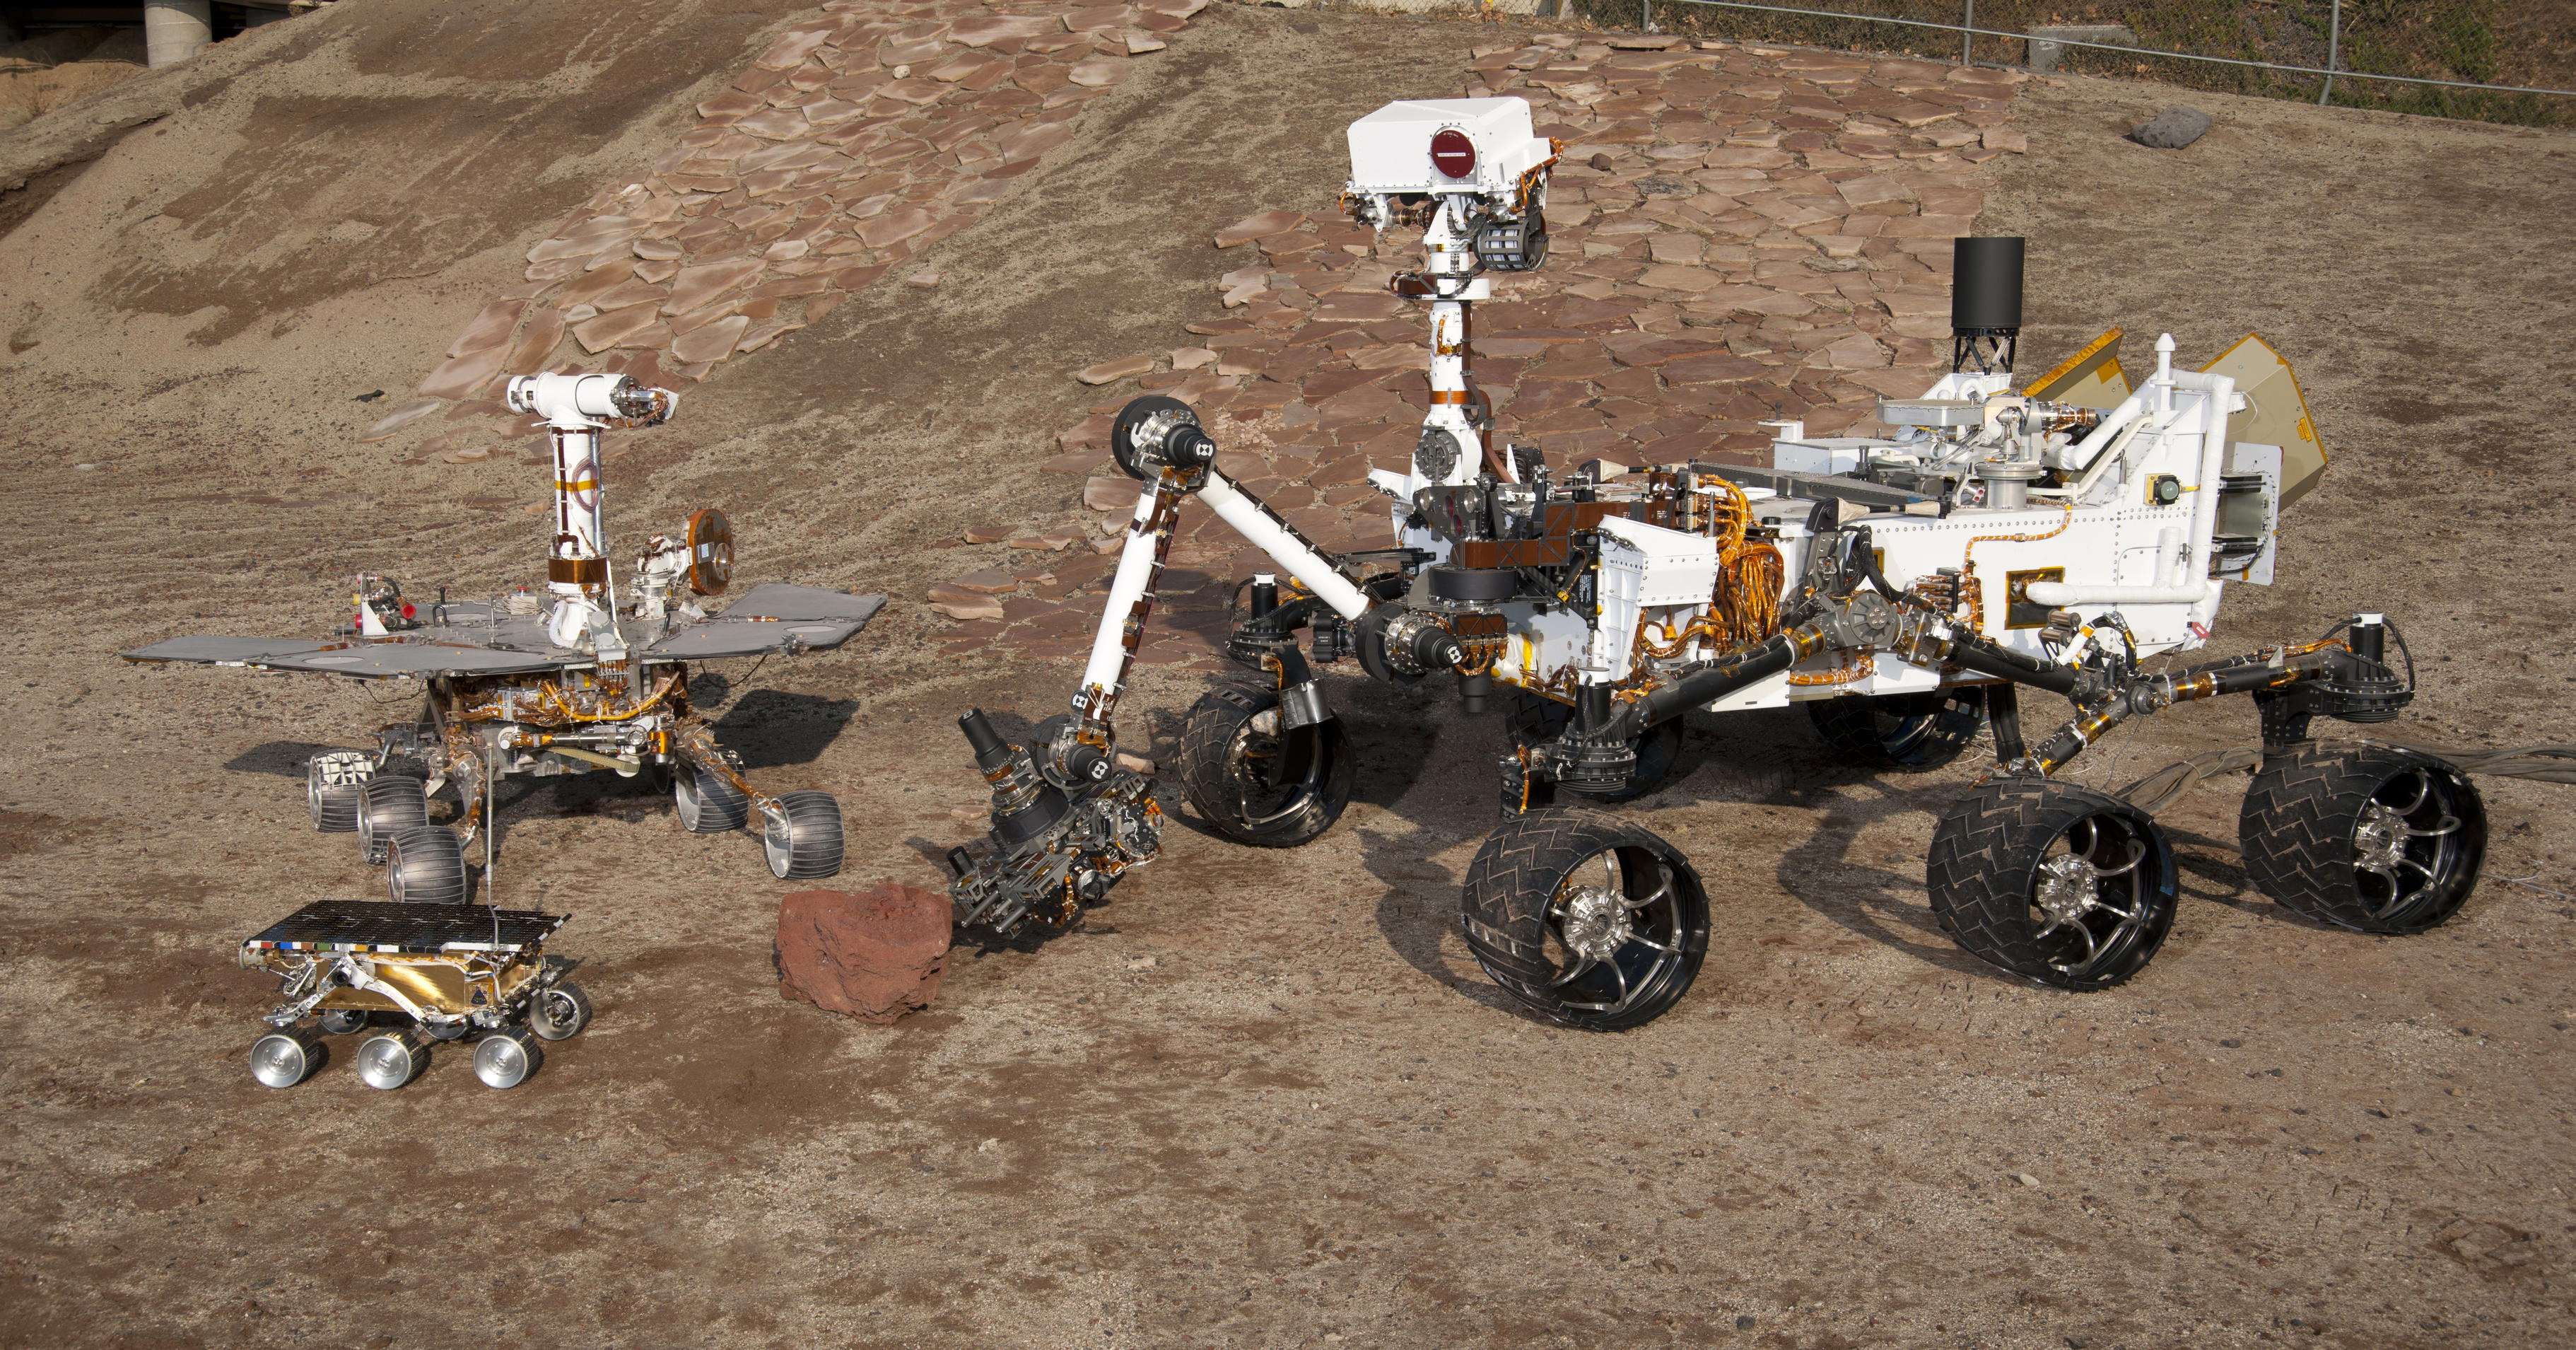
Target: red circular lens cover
x=1452, y=153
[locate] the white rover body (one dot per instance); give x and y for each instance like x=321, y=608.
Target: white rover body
x=1903, y=589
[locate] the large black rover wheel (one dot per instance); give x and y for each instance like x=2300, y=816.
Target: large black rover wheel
x=1593, y=921
x=2371, y=838
x=1532, y=720
x=1261, y=784
x=2052, y=882
x=1910, y=733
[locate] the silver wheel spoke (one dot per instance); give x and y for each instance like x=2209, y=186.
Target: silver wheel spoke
x=1574, y=972
x=2423, y=789
x=2448, y=825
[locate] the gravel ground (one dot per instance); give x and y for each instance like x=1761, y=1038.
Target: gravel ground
x=1261, y=1099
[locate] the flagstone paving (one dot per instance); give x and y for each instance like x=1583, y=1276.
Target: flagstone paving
x=855, y=140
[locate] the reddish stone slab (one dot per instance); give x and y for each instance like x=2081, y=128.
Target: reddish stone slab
x=874, y=956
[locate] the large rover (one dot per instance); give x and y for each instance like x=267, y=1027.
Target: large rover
x=1904, y=589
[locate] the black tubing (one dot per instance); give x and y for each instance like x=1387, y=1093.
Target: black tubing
x=1986, y=658
x=1716, y=682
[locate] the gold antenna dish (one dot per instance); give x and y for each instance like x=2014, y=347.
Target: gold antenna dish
x=710, y=552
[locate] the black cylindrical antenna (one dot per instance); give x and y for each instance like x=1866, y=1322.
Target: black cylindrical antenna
x=1985, y=303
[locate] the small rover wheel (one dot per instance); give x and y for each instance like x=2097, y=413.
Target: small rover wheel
x=342, y=1021
x=803, y=842
x=559, y=1012
x=426, y=866
x=505, y=1058
x=390, y=1060
x=284, y=1058
x=1906, y=732
x=2371, y=837
x=1258, y=784
x=1593, y=921
x=389, y=804
x=705, y=802
x=334, y=783
x=2053, y=882
x=1532, y=720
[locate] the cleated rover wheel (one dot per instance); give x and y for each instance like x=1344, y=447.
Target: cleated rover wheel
x=705, y=802
x=505, y=1058
x=334, y=783
x=1532, y=720
x=803, y=842
x=284, y=1058
x=1259, y=785
x=426, y=866
x=389, y=804
x=1906, y=732
x=1593, y=921
x=2053, y=882
x=559, y=1013
x=2371, y=838
x=392, y=1059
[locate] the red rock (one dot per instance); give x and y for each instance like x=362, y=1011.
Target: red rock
x=709, y=342
x=790, y=51
x=536, y=342
x=1110, y=494
x=983, y=30
x=1119, y=369
x=874, y=957
x=1260, y=226
x=461, y=377
x=1717, y=368
x=401, y=417
x=613, y=328
x=1098, y=72
x=491, y=328
x=695, y=286
x=895, y=226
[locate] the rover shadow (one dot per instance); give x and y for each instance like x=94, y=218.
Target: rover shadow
x=770, y=728
x=1416, y=914
x=1774, y=758
x=283, y=759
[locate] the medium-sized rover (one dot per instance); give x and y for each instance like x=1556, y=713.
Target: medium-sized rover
x=578, y=683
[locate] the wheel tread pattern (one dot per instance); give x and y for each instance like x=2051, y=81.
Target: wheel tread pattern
x=1981, y=869
x=1511, y=879
x=2295, y=831
x=815, y=835
x=426, y=866
x=1207, y=740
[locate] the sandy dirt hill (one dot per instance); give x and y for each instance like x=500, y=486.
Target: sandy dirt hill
x=1260, y=1099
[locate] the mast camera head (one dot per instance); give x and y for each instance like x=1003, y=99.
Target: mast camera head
x=1428, y=148
x=578, y=401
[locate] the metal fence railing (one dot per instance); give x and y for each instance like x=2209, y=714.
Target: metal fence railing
x=2493, y=60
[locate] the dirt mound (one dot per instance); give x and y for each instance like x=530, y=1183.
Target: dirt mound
x=51, y=69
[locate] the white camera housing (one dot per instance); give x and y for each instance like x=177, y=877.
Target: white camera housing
x=1391, y=148
x=573, y=402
